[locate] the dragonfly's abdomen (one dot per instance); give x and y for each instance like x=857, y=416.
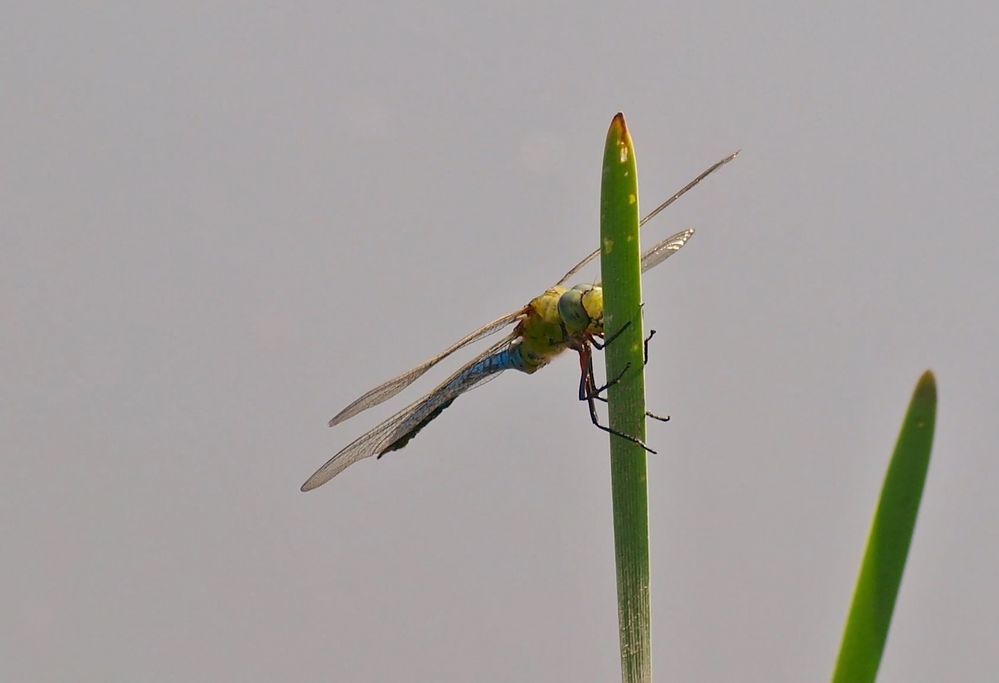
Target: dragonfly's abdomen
x=467, y=380
x=399, y=443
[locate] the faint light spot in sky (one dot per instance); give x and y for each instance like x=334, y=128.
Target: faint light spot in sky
x=542, y=153
x=368, y=116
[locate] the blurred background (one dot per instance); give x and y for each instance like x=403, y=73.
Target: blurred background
x=221, y=222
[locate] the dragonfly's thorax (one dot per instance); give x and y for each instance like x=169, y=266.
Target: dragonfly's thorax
x=541, y=334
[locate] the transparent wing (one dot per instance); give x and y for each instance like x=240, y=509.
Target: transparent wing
x=662, y=251
x=407, y=421
x=385, y=391
x=655, y=212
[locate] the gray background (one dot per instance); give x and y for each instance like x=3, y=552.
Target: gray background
x=223, y=221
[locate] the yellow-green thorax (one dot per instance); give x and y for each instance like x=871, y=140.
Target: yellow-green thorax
x=559, y=319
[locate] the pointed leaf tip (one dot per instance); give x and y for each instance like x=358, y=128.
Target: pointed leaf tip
x=924, y=396
x=618, y=126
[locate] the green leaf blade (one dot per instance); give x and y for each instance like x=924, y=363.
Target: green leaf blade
x=889, y=541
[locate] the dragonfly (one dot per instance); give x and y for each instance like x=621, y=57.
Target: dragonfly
x=560, y=319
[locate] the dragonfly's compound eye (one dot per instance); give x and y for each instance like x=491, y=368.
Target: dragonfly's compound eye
x=570, y=309
x=582, y=309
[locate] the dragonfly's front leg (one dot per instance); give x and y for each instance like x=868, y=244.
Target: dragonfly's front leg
x=601, y=346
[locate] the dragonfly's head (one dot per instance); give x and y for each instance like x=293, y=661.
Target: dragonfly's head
x=582, y=309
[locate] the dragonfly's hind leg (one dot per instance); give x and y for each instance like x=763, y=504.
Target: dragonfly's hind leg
x=588, y=392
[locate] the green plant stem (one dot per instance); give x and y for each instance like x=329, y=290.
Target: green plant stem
x=620, y=263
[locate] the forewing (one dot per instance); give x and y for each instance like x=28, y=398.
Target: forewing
x=385, y=391
x=376, y=440
x=655, y=212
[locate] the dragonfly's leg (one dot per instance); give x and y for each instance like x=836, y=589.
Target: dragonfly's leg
x=660, y=418
x=597, y=397
x=600, y=346
x=587, y=393
x=587, y=380
x=652, y=333
x=584, y=378
x=596, y=392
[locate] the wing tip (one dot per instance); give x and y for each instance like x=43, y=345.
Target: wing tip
x=344, y=414
x=311, y=483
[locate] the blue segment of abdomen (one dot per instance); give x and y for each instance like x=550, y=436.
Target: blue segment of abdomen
x=509, y=358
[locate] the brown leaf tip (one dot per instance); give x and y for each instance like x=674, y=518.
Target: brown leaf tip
x=618, y=125
x=927, y=385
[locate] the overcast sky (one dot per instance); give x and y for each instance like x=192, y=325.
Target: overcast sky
x=221, y=222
